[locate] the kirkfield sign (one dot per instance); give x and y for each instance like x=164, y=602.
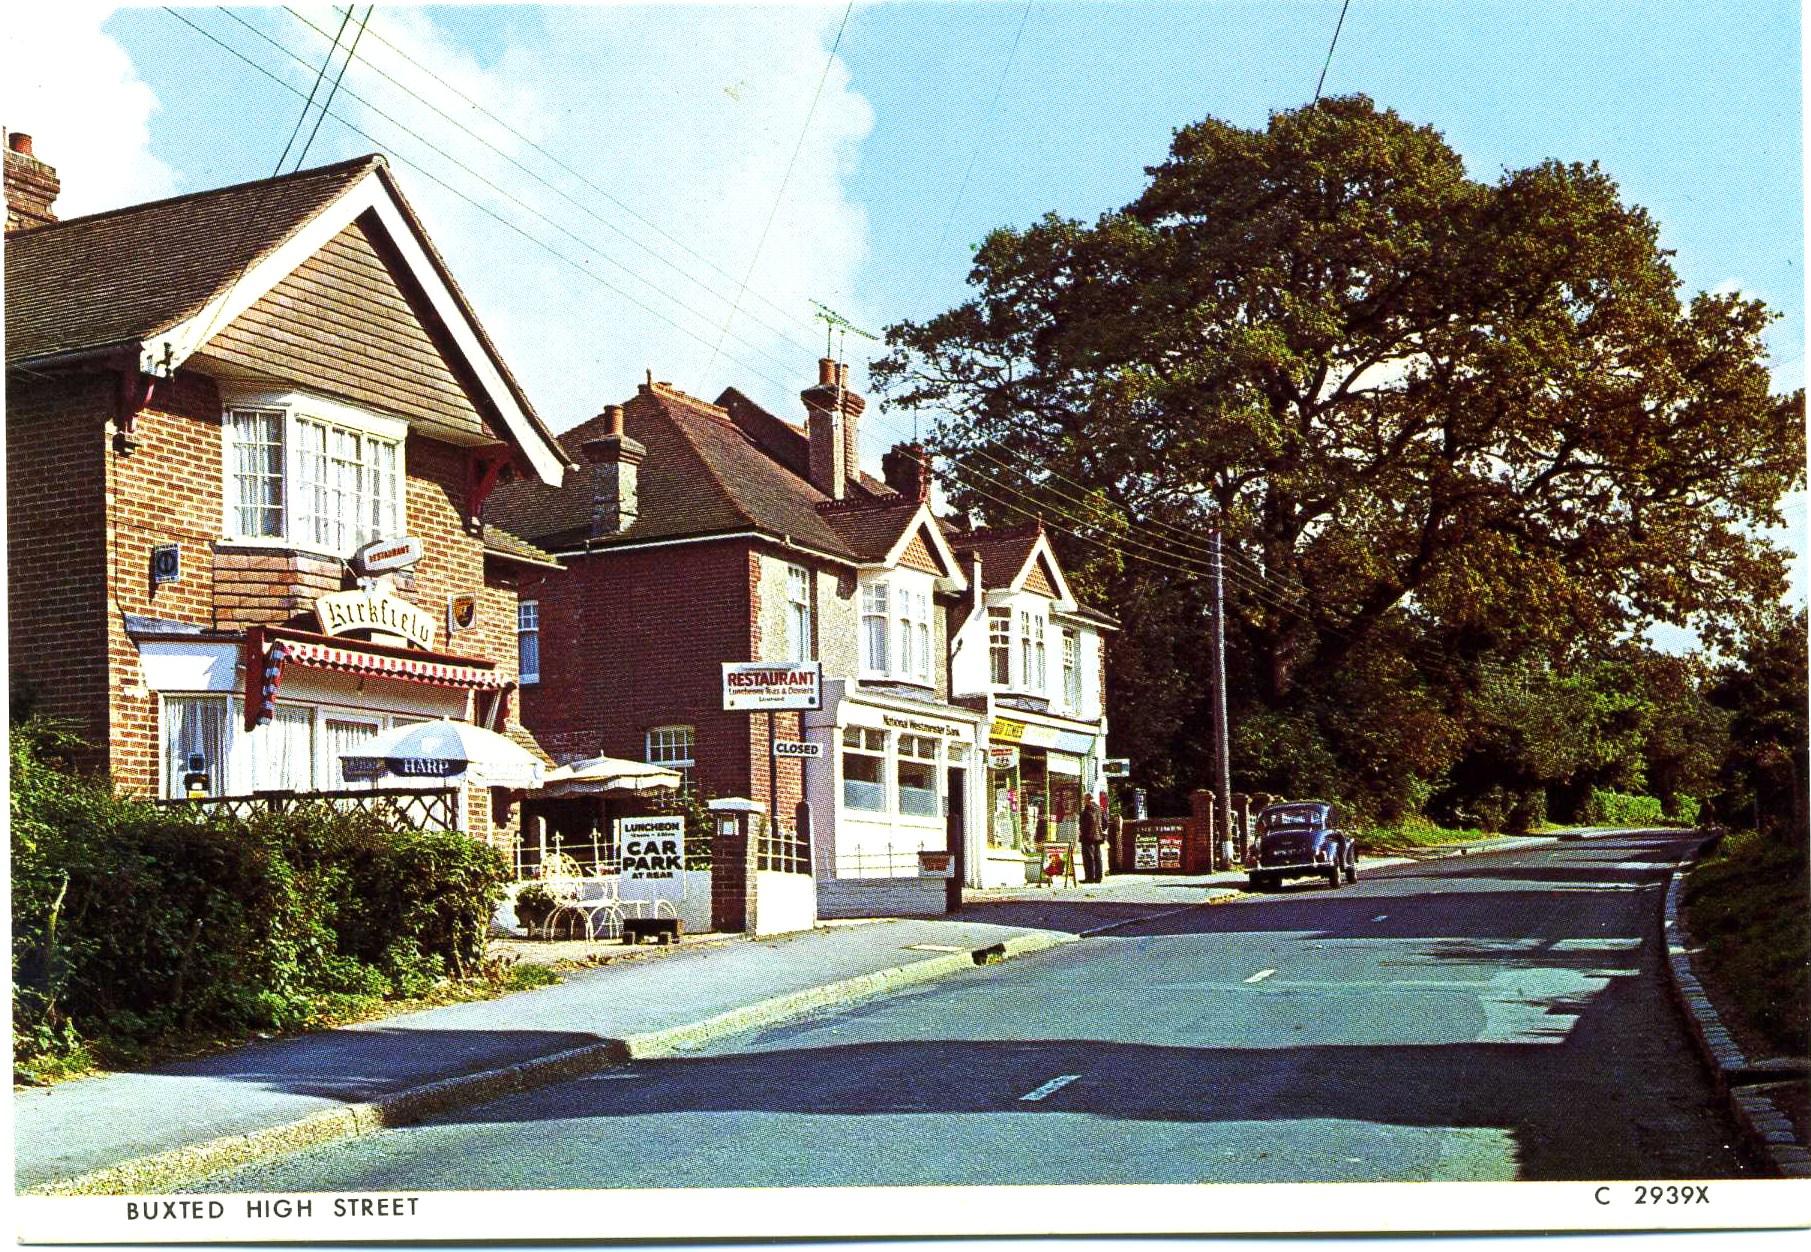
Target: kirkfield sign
x=770, y=685
x=347, y=611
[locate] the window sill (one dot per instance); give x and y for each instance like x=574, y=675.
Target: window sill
x=281, y=546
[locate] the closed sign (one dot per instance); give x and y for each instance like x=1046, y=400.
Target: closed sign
x=796, y=748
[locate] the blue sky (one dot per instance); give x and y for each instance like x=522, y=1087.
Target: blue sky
x=682, y=124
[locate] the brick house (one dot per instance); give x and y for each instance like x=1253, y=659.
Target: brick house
x=212, y=403
x=698, y=533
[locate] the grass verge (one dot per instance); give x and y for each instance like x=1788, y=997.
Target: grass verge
x=1749, y=905
x=84, y=1057
x=1416, y=835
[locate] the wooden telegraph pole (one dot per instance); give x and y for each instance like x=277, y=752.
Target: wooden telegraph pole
x=1222, y=759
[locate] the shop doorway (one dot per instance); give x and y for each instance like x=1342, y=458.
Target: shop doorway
x=956, y=827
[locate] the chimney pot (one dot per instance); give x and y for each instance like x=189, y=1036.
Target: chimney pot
x=827, y=372
x=615, y=413
x=20, y=142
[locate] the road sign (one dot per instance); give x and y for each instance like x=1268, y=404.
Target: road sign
x=1116, y=767
x=798, y=748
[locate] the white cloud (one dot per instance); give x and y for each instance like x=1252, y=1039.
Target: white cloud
x=688, y=117
x=78, y=96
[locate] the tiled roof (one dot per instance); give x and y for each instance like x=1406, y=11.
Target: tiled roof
x=499, y=542
x=122, y=276
x=703, y=475
x=871, y=529
x=1003, y=553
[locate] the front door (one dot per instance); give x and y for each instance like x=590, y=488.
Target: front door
x=956, y=828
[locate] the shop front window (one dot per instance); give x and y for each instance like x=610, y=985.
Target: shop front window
x=196, y=739
x=864, y=769
x=917, y=773
x=285, y=758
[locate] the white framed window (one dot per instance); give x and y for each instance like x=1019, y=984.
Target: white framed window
x=285, y=760
x=673, y=748
x=197, y=736
x=999, y=645
x=916, y=770
x=865, y=769
x=1032, y=661
x=528, y=641
x=912, y=634
x=799, y=634
x=874, y=627
x=1072, y=667
x=312, y=473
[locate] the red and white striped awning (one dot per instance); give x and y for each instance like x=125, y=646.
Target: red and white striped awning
x=351, y=661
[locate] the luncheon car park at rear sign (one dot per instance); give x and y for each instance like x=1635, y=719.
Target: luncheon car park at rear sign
x=652, y=847
x=770, y=685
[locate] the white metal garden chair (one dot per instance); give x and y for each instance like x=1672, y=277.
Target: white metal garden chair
x=579, y=895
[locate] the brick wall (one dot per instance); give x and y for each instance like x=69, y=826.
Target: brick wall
x=56, y=567
x=634, y=639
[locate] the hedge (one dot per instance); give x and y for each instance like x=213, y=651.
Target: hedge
x=134, y=922
x=1614, y=808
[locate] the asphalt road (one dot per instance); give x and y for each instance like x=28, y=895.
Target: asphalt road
x=1483, y=1018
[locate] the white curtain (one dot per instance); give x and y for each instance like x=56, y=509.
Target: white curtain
x=343, y=736
x=194, y=726
x=285, y=760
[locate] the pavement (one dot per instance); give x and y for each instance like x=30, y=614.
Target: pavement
x=153, y=1129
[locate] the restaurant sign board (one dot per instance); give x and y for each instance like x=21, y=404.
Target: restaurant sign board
x=770, y=685
x=380, y=556
x=343, y=612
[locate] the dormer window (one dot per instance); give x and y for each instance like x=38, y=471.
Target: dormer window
x=312, y=474
x=999, y=645
x=1032, y=628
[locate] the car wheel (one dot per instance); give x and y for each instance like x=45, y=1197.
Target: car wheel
x=1352, y=867
x=1255, y=881
x=1333, y=875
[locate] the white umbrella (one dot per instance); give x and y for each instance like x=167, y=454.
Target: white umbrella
x=609, y=773
x=445, y=749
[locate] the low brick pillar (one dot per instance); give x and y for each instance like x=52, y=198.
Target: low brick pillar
x=734, y=847
x=1198, y=848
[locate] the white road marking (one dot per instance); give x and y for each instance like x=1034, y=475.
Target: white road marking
x=1381, y=917
x=1054, y=1085
x=1261, y=975
x=614, y=1077
x=934, y=947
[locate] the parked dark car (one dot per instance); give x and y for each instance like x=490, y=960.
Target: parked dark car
x=1301, y=839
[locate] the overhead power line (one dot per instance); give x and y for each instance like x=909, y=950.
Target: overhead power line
x=337, y=80
x=438, y=181
x=1337, y=27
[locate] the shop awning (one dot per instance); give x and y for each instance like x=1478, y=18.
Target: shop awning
x=347, y=661
x=269, y=649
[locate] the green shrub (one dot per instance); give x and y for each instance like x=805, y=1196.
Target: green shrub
x=1614, y=808
x=1749, y=905
x=134, y=922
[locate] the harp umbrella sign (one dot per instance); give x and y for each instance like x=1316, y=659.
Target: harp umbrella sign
x=445, y=749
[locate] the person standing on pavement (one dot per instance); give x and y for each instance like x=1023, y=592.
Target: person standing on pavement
x=1093, y=835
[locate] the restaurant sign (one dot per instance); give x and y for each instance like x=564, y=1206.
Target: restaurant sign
x=343, y=612
x=770, y=685
x=383, y=555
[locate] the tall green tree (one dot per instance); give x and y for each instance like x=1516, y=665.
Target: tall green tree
x=1451, y=417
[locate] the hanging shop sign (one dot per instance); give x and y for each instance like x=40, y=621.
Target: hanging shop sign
x=343, y=612
x=380, y=556
x=1116, y=767
x=1002, y=758
x=653, y=847
x=770, y=685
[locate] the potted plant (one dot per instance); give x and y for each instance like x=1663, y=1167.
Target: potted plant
x=534, y=905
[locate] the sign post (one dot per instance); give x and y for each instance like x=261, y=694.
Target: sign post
x=772, y=687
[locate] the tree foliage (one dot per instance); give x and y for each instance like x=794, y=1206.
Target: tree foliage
x=1436, y=418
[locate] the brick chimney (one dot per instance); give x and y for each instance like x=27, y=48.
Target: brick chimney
x=833, y=426
x=907, y=470
x=31, y=186
x=615, y=466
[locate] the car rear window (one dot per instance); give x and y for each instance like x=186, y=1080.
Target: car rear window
x=1303, y=818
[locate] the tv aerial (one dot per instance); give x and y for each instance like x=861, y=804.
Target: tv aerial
x=835, y=324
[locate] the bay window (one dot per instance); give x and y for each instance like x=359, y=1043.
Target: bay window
x=1072, y=668
x=874, y=627
x=313, y=473
x=1031, y=651
x=864, y=769
x=999, y=645
x=195, y=734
